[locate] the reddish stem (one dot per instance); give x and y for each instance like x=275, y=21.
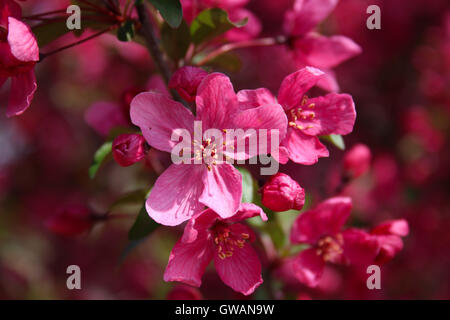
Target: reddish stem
x=263, y=42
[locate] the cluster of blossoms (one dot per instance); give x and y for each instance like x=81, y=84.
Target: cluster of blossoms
x=207, y=195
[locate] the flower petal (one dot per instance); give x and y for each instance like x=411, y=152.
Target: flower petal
x=241, y=271
x=302, y=148
x=246, y=211
x=295, y=85
x=360, y=247
x=175, y=195
x=188, y=261
x=22, y=41
x=308, y=267
x=158, y=116
x=306, y=14
x=223, y=190
x=389, y=247
x=254, y=98
x=325, y=219
x=333, y=114
x=272, y=118
x=397, y=227
x=9, y=8
x=325, y=52
x=23, y=87
x=216, y=102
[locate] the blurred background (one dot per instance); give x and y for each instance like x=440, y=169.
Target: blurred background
x=401, y=87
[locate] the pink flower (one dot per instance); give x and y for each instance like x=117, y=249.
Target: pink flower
x=321, y=228
x=184, y=189
x=357, y=160
x=186, y=81
x=19, y=53
x=128, y=149
x=282, y=193
x=308, y=117
x=388, y=235
x=312, y=49
x=104, y=116
x=71, y=220
x=208, y=237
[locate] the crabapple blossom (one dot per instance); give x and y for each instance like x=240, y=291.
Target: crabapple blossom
x=128, y=148
x=321, y=228
x=208, y=237
x=216, y=185
x=19, y=53
x=186, y=81
x=357, y=160
x=282, y=193
x=308, y=118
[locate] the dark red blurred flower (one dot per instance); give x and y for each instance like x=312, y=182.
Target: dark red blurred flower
x=282, y=193
x=128, y=148
x=70, y=220
x=357, y=160
x=186, y=81
x=389, y=235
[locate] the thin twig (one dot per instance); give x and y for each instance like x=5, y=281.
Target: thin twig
x=42, y=56
x=153, y=47
x=263, y=42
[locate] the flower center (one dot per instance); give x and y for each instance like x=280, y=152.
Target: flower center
x=304, y=112
x=206, y=152
x=227, y=241
x=330, y=248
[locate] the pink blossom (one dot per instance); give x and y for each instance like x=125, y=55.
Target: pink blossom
x=357, y=160
x=313, y=49
x=70, y=220
x=388, y=235
x=104, y=116
x=208, y=237
x=186, y=81
x=193, y=186
x=321, y=228
x=308, y=118
x=128, y=149
x=282, y=193
x=19, y=53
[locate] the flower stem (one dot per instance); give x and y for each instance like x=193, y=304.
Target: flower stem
x=263, y=42
x=153, y=47
x=45, y=55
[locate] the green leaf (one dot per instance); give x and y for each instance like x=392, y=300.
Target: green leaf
x=228, y=61
x=248, y=187
x=100, y=157
x=211, y=23
x=335, y=139
x=126, y=31
x=170, y=10
x=143, y=226
x=175, y=41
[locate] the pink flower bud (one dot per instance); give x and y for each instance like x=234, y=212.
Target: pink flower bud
x=70, y=220
x=128, y=149
x=281, y=193
x=186, y=81
x=357, y=160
